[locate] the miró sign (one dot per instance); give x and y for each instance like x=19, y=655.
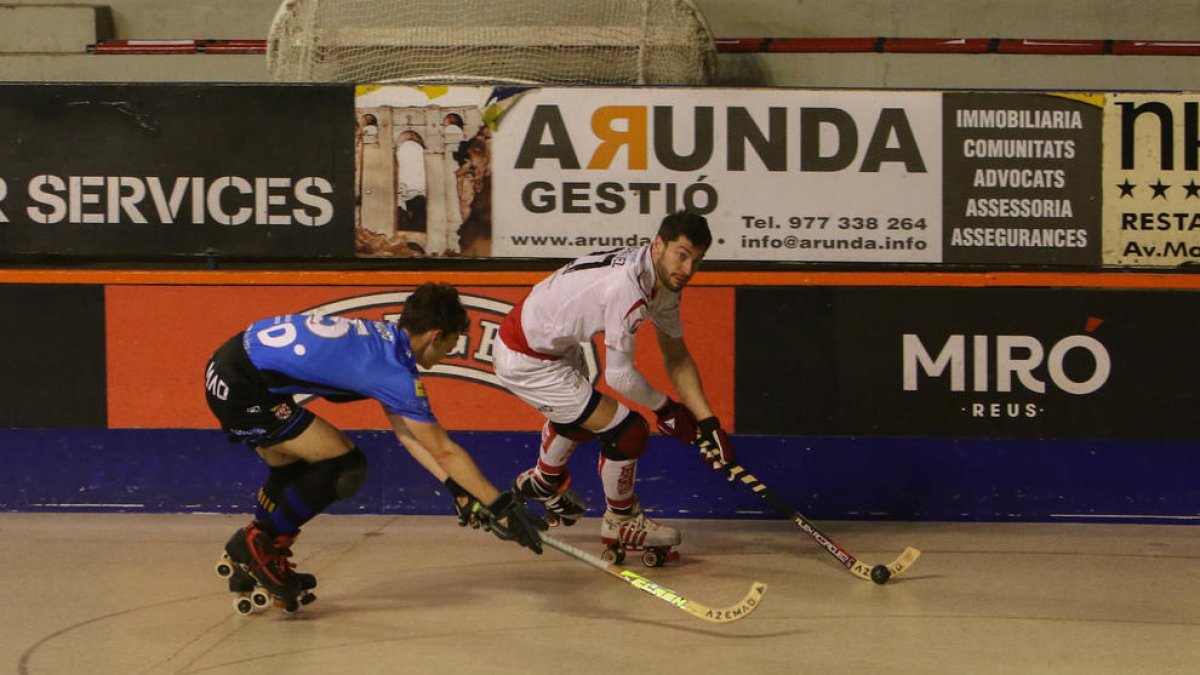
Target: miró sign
x=998, y=363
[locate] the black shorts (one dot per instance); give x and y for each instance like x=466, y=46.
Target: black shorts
x=249, y=412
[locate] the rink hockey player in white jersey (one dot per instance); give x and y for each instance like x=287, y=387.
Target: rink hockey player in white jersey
x=540, y=360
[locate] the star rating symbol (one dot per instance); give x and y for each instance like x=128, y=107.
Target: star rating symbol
x=1193, y=190
x=1126, y=188
x=1160, y=190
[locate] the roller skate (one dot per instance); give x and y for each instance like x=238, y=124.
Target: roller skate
x=260, y=573
x=636, y=532
x=563, y=505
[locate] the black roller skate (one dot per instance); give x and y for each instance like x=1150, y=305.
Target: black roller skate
x=563, y=505
x=636, y=532
x=260, y=573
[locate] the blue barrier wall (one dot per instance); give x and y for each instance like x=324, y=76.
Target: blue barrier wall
x=825, y=478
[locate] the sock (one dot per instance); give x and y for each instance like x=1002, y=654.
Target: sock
x=617, y=476
x=555, y=450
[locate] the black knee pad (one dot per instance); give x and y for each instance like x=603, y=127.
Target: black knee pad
x=337, y=478
x=352, y=473
x=627, y=440
x=573, y=431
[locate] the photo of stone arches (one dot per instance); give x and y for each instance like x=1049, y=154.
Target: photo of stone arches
x=423, y=181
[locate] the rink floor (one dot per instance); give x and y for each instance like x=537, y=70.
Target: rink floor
x=136, y=594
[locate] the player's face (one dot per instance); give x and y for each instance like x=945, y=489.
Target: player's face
x=437, y=349
x=675, y=262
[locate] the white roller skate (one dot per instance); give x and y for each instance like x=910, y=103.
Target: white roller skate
x=636, y=532
x=563, y=505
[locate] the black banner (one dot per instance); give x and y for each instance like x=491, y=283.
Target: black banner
x=52, y=357
x=127, y=170
x=1022, y=179
x=955, y=362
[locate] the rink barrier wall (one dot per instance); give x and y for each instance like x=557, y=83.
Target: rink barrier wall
x=107, y=412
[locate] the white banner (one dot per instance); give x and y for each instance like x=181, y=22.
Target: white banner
x=783, y=175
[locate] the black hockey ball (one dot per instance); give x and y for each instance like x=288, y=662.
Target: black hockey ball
x=880, y=574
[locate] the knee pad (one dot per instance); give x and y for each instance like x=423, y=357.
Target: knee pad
x=627, y=440
x=340, y=477
x=572, y=431
x=352, y=473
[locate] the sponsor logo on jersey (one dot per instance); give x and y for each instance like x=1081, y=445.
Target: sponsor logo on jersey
x=419, y=387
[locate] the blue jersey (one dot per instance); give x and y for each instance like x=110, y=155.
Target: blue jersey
x=340, y=358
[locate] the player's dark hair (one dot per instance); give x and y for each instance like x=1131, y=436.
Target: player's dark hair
x=432, y=307
x=691, y=225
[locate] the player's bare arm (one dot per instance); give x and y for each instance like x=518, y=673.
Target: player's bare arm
x=433, y=448
x=684, y=374
x=715, y=447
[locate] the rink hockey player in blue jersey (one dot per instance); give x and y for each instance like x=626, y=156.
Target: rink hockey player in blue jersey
x=249, y=384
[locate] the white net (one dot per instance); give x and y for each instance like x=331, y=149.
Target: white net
x=474, y=41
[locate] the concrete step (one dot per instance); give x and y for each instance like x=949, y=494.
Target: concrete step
x=52, y=29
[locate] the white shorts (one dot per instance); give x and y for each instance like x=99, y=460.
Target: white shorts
x=559, y=389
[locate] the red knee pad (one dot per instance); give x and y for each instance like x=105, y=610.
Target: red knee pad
x=627, y=440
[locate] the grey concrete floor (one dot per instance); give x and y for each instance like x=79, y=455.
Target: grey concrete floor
x=136, y=594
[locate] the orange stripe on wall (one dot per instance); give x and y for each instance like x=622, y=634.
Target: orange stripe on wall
x=160, y=338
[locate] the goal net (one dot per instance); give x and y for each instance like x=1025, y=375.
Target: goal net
x=553, y=42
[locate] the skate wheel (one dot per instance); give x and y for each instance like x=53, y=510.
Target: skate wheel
x=260, y=598
x=224, y=567
x=653, y=557
x=243, y=605
x=613, y=555
x=307, y=598
x=552, y=519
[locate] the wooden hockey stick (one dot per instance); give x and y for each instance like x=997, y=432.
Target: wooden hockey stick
x=710, y=614
x=863, y=570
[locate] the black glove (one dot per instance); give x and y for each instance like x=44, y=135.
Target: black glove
x=509, y=520
x=674, y=419
x=463, y=504
x=715, y=449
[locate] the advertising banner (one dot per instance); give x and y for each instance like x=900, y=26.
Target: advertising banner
x=1022, y=178
x=305, y=172
x=160, y=338
x=968, y=363
x=1151, y=166
x=137, y=170
x=866, y=176
x=780, y=174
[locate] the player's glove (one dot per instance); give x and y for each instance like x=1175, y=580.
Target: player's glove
x=509, y=520
x=674, y=419
x=715, y=449
x=463, y=504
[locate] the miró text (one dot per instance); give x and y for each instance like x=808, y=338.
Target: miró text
x=997, y=361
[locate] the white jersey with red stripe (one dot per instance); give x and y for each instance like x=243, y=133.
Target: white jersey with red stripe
x=611, y=292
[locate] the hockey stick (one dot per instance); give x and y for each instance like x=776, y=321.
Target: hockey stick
x=711, y=614
x=877, y=573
